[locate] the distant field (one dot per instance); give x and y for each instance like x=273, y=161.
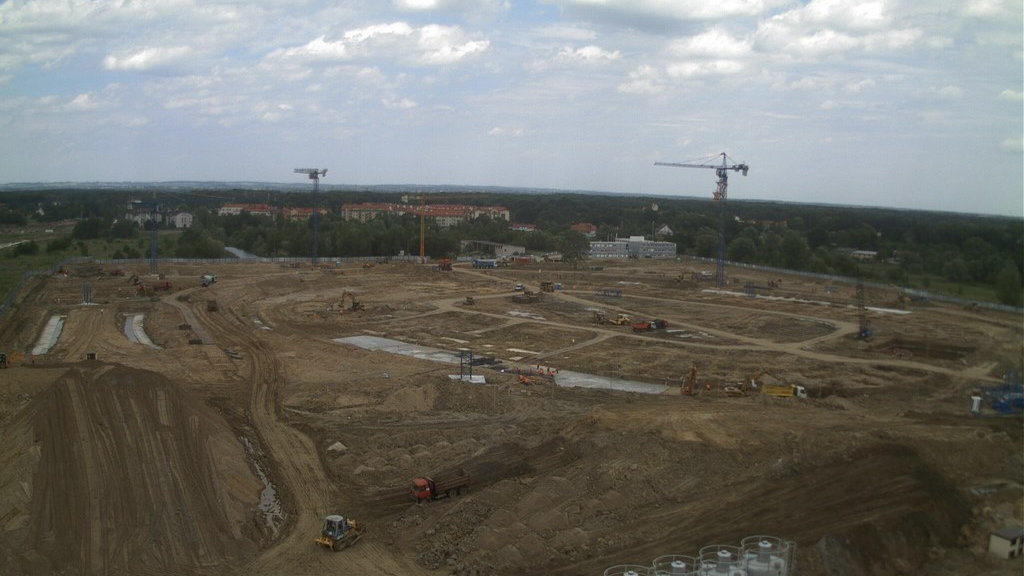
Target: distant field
x=14, y=266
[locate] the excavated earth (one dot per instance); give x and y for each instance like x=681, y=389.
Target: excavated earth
x=218, y=441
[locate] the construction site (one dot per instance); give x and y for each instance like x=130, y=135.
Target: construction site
x=416, y=419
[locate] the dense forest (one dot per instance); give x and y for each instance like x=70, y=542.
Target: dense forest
x=960, y=254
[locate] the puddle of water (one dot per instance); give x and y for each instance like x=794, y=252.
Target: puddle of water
x=270, y=505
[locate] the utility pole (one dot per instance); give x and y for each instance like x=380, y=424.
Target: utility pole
x=314, y=175
x=153, y=237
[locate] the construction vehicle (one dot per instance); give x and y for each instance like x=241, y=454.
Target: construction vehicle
x=622, y=320
x=211, y=306
x=599, y=317
x=644, y=325
x=784, y=390
x=527, y=296
x=443, y=265
x=547, y=286
x=208, y=279
x=539, y=376
x=690, y=382
x=734, y=390
x=347, y=303
x=426, y=488
x=469, y=301
x=339, y=532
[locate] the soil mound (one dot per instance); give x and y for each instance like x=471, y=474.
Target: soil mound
x=116, y=470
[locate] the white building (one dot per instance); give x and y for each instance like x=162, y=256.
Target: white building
x=181, y=220
x=632, y=247
x=1007, y=543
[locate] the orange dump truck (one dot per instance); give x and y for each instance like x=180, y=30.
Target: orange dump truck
x=426, y=488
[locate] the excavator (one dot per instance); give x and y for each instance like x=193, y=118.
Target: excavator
x=339, y=532
x=687, y=389
x=347, y=303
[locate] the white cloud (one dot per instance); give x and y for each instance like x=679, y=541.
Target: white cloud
x=845, y=14
x=506, y=132
x=571, y=33
x=949, y=92
x=317, y=49
x=463, y=6
x=588, y=54
x=1015, y=144
x=369, y=32
x=987, y=8
x=446, y=44
x=674, y=9
x=83, y=102
x=1011, y=95
x=644, y=80
x=416, y=4
x=398, y=103
x=861, y=85
x=714, y=43
x=707, y=68
x=149, y=59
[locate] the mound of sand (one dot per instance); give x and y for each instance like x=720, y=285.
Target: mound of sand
x=115, y=470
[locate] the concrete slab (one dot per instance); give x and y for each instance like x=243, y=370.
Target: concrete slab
x=49, y=336
x=564, y=378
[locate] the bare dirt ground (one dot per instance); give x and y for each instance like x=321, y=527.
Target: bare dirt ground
x=210, y=451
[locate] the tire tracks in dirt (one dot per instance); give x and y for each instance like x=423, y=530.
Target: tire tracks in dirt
x=800, y=349
x=295, y=466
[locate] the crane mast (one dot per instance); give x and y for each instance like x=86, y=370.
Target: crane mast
x=314, y=175
x=720, y=195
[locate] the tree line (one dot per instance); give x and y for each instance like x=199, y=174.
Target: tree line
x=929, y=250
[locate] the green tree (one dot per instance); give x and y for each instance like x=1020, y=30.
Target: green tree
x=574, y=247
x=90, y=228
x=956, y=270
x=742, y=249
x=706, y=243
x=29, y=248
x=124, y=229
x=196, y=243
x=795, y=252
x=1008, y=285
x=58, y=245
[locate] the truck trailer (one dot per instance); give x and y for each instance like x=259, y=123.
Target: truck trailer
x=784, y=390
x=426, y=488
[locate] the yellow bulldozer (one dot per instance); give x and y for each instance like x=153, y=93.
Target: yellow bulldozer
x=339, y=532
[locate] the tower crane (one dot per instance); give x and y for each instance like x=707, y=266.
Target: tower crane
x=423, y=215
x=722, y=170
x=314, y=175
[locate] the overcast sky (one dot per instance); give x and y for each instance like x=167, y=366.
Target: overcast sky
x=895, y=103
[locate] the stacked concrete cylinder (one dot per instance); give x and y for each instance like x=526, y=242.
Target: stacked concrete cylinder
x=721, y=560
x=766, y=556
x=675, y=565
x=755, y=556
x=628, y=570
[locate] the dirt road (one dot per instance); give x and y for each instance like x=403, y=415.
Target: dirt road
x=142, y=454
